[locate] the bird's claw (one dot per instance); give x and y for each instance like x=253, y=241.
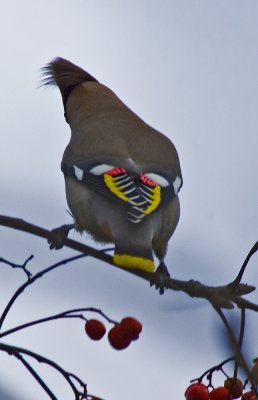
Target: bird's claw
x=159, y=278
x=58, y=236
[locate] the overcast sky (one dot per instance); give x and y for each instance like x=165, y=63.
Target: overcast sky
x=189, y=69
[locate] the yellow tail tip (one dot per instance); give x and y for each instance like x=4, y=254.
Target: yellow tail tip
x=126, y=261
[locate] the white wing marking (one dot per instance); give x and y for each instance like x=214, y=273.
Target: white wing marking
x=101, y=169
x=160, y=180
x=176, y=184
x=78, y=173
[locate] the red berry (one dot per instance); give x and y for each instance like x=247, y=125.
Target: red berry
x=131, y=327
x=197, y=391
x=235, y=387
x=95, y=329
x=117, y=339
x=249, y=396
x=220, y=393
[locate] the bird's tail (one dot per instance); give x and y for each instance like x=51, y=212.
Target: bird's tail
x=65, y=75
x=134, y=257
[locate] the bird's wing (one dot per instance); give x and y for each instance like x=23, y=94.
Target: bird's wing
x=143, y=193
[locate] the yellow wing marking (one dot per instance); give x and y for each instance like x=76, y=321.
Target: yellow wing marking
x=155, y=198
x=114, y=187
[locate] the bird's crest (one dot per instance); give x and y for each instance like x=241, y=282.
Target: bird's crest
x=65, y=75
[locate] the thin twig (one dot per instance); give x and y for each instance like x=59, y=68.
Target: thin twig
x=36, y=376
x=210, y=371
x=81, y=383
x=64, y=314
x=14, y=350
x=240, y=358
x=21, y=266
x=33, y=279
x=239, y=277
x=240, y=341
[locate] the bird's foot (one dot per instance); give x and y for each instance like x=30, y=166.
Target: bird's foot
x=159, y=277
x=58, y=236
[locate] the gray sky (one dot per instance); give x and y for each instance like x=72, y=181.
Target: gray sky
x=189, y=69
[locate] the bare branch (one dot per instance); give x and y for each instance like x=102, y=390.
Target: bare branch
x=21, y=266
x=240, y=302
x=221, y=296
x=238, y=354
x=33, y=279
x=210, y=371
x=242, y=270
x=21, y=225
x=36, y=376
x=18, y=351
x=62, y=315
x=226, y=296
x=240, y=341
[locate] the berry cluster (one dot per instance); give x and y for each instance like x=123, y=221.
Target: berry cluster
x=119, y=336
x=232, y=389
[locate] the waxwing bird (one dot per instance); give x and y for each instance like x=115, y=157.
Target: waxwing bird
x=122, y=177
